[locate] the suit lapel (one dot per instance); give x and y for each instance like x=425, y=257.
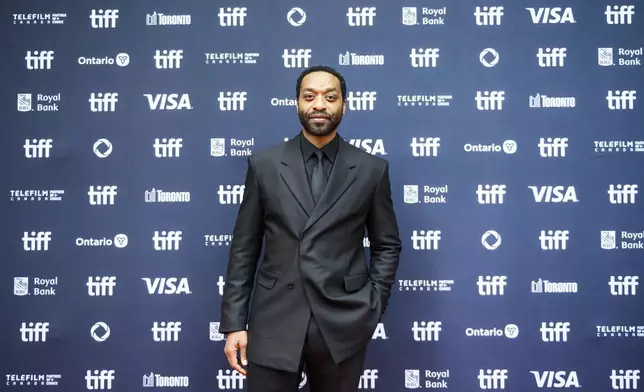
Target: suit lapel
x=293, y=173
x=342, y=176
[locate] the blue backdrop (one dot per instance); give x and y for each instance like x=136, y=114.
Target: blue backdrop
x=514, y=132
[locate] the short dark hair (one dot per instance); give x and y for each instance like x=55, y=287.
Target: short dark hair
x=321, y=68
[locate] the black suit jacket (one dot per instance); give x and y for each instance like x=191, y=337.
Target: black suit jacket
x=314, y=259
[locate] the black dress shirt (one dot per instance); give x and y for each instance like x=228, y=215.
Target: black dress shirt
x=330, y=151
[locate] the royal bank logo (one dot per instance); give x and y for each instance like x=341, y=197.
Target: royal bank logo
x=43, y=103
x=429, y=16
x=606, y=57
x=215, y=335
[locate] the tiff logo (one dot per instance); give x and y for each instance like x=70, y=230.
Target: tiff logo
x=492, y=378
x=38, y=60
x=368, y=379
x=623, y=285
x=296, y=58
x=424, y=58
x=167, y=147
x=102, y=195
x=360, y=17
x=103, y=19
x=364, y=100
x=490, y=194
x=425, y=239
x=166, y=332
x=488, y=16
x=232, y=16
x=622, y=194
x=232, y=101
x=37, y=148
x=489, y=100
x=553, y=147
x=34, y=332
x=231, y=194
x=230, y=379
x=619, y=14
x=425, y=146
x=624, y=379
x=168, y=59
x=426, y=331
x=554, y=239
x=101, y=286
x=36, y=241
x=551, y=57
x=621, y=100
x=492, y=285
x=166, y=240
x=103, y=102
x=99, y=379
x=554, y=331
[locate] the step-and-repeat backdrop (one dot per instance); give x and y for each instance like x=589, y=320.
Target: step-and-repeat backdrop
x=514, y=132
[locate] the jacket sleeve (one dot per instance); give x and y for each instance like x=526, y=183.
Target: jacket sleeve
x=244, y=254
x=382, y=229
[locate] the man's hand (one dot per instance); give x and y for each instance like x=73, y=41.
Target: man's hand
x=237, y=341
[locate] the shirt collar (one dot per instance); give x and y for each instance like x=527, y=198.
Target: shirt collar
x=308, y=149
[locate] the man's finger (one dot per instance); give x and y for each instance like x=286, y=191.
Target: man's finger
x=242, y=353
x=240, y=369
x=231, y=355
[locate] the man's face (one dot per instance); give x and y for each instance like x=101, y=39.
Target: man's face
x=320, y=106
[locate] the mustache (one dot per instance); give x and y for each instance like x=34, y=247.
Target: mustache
x=319, y=114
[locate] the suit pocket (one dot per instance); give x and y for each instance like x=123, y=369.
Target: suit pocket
x=266, y=279
x=355, y=282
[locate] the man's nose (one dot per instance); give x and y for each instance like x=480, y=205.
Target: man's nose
x=319, y=104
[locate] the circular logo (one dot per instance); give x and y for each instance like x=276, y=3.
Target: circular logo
x=120, y=240
x=490, y=53
x=100, y=331
x=102, y=148
x=122, y=59
x=491, y=234
x=296, y=17
x=509, y=146
x=511, y=331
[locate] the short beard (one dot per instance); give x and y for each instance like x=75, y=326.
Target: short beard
x=322, y=129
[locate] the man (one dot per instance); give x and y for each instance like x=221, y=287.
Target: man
x=315, y=302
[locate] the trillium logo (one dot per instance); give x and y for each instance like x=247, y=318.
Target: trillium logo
x=511, y=331
x=122, y=59
x=509, y=146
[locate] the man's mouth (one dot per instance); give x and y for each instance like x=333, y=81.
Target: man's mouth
x=318, y=119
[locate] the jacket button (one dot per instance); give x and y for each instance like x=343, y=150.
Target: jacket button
x=289, y=285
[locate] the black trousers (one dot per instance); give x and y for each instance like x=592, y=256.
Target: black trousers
x=323, y=374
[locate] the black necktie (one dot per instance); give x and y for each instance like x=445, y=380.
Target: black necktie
x=318, y=179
